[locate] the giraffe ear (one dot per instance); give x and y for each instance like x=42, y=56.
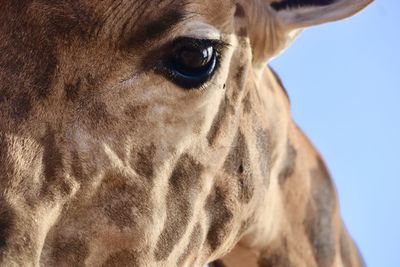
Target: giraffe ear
x=274, y=24
x=296, y=14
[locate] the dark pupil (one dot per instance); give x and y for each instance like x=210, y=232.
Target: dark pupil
x=193, y=58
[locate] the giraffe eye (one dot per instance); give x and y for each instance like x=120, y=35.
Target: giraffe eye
x=191, y=62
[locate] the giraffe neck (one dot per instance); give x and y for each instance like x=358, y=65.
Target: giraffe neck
x=298, y=223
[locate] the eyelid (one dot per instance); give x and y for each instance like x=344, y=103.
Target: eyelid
x=217, y=44
x=200, y=30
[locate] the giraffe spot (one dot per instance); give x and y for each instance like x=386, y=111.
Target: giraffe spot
x=184, y=185
x=82, y=166
x=52, y=161
x=90, y=79
x=247, y=106
x=122, y=258
x=69, y=252
x=136, y=112
x=264, y=152
x=76, y=166
x=319, y=215
x=22, y=106
x=240, y=79
x=65, y=187
x=124, y=200
x=29, y=59
x=290, y=164
x=98, y=114
x=240, y=76
x=242, y=32
x=246, y=189
x=143, y=161
x=239, y=12
x=3, y=96
x=219, y=217
x=72, y=90
x=216, y=127
x=237, y=164
x=52, y=158
x=6, y=224
x=194, y=244
x=5, y=164
x=44, y=77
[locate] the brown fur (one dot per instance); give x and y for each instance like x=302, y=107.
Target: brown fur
x=106, y=162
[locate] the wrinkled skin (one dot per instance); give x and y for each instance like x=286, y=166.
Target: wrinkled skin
x=106, y=161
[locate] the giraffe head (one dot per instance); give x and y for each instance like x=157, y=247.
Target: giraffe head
x=138, y=132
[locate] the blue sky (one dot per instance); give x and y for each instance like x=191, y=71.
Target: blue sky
x=344, y=83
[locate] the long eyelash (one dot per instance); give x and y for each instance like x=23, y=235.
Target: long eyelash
x=218, y=45
x=204, y=86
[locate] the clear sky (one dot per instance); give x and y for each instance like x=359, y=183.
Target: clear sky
x=344, y=84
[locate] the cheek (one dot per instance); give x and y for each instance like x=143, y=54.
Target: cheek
x=150, y=109
x=183, y=121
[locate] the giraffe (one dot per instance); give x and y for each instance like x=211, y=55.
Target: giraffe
x=153, y=133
